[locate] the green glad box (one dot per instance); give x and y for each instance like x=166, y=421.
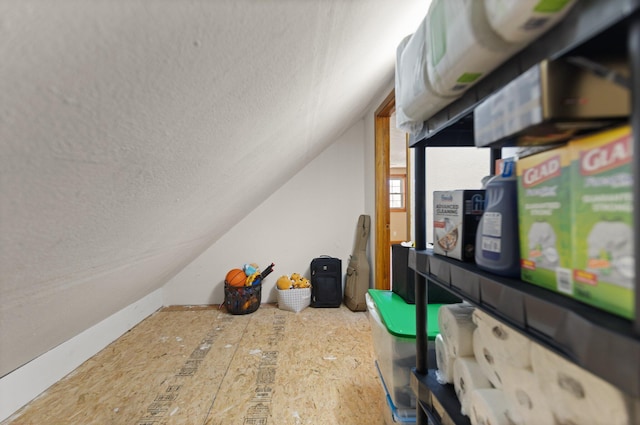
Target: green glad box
x=603, y=247
x=544, y=219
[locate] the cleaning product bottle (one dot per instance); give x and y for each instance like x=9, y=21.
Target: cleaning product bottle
x=497, y=241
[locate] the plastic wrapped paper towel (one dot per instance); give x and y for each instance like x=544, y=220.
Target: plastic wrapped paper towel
x=527, y=404
x=524, y=20
x=463, y=48
x=403, y=122
x=575, y=395
x=444, y=361
x=456, y=326
x=467, y=376
x=488, y=407
x=487, y=360
x=415, y=97
x=508, y=346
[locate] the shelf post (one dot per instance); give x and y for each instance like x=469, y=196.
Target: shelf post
x=420, y=206
x=421, y=244
x=420, y=281
x=495, y=154
x=634, y=69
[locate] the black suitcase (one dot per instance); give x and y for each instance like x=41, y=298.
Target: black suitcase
x=326, y=282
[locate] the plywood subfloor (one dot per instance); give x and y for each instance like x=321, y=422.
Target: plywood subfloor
x=204, y=366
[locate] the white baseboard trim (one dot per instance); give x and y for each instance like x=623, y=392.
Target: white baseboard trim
x=27, y=382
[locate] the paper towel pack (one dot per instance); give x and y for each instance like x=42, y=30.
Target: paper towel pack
x=527, y=404
x=444, y=361
x=486, y=358
x=519, y=21
x=508, y=345
x=575, y=395
x=456, y=326
x=488, y=407
x=463, y=46
x=467, y=376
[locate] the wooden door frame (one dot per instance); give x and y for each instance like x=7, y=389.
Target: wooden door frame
x=382, y=274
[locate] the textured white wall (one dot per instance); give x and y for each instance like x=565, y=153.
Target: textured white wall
x=441, y=176
x=134, y=134
x=314, y=213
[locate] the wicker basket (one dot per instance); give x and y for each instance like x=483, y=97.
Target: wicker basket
x=294, y=299
x=242, y=299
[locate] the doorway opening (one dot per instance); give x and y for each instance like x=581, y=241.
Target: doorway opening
x=392, y=188
x=382, y=277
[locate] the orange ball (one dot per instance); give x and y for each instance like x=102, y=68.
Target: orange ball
x=236, y=277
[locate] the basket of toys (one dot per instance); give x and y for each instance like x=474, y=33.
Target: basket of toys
x=294, y=293
x=243, y=288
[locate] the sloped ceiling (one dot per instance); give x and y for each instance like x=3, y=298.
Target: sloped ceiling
x=145, y=129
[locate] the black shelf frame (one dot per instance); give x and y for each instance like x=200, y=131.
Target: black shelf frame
x=435, y=400
x=586, y=30
x=438, y=401
x=585, y=335
x=593, y=28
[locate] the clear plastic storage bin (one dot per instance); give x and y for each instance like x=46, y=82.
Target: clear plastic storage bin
x=393, y=328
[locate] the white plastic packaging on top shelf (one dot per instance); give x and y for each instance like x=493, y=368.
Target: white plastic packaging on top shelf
x=463, y=48
x=416, y=100
x=460, y=42
x=457, y=44
x=518, y=21
x=403, y=122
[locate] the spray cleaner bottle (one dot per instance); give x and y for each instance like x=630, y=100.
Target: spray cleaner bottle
x=497, y=241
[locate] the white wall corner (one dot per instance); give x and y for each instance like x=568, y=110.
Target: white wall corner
x=27, y=382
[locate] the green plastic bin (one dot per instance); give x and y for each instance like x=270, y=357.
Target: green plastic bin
x=393, y=328
x=400, y=317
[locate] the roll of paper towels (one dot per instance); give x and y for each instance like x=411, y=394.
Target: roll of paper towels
x=508, y=345
x=463, y=48
x=527, y=404
x=416, y=98
x=524, y=20
x=483, y=353
x=456, y=326
x=488, y=407
x=467, y=376
x=403, y=122
x=575, y=395
x=444, y=361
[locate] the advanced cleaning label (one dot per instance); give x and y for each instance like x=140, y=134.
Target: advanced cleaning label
x=455, y=220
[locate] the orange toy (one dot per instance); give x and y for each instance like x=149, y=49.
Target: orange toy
x=236, y=277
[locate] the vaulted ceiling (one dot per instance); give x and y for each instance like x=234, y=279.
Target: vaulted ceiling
x=131, y=128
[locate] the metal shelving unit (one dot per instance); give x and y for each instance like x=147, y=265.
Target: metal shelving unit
x=592, y=28
x=547, y=317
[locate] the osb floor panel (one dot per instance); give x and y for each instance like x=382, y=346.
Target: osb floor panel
x=204, y=366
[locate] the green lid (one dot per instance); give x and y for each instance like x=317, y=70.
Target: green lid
x=400, y=317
